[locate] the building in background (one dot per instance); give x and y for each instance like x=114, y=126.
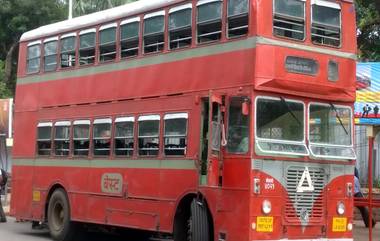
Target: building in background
x=367, y=113
x=6, y=133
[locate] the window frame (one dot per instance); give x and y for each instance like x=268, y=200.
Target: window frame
x=328, y=4
x=121, y=40
x=327, y=144
x=174, y=116
x=305, y=33
x=81, y=33
x=69, y=35
x=62, y=124
x=153, y=117
x=100, y=45
x=125, y=119
x=204, y=2
x=177, y=9
x=276, y=141
x=148, y=16
x=234, y=16
x=79, y=122
x=32, y=44
x=44, y=124
x=46, y=41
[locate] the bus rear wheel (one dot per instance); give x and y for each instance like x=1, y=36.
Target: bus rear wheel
x=59, y=221
x=198, y=222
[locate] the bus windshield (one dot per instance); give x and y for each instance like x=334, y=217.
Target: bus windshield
x=280, y=126
x=330, y=131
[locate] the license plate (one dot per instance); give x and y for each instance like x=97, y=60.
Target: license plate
x=339, y=224
x=265, y=224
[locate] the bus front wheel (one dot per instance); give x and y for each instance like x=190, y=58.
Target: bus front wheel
x=60, y=226
x=198, y=222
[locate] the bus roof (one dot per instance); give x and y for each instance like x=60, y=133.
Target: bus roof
x=96, y=18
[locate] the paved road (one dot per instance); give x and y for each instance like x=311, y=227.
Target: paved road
x=13, y=231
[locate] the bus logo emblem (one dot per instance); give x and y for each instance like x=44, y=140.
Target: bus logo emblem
x=305, y=176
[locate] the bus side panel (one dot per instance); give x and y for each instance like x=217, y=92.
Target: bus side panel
x=22, y=185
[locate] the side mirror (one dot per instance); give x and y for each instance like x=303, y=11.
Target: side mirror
x=245, y=107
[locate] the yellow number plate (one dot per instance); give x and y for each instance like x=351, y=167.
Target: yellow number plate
x=339, y=224
x=265, y=224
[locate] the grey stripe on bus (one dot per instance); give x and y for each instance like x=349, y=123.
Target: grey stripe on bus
x=245, y=44
x=179, y=164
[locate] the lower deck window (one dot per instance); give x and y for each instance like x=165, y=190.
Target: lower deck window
x=124, y=136
x=44, y=139
x=238, y=127
x=175, y=134
x=81, y=139
x=102, y=137
x=149, y=132
x=62, y=139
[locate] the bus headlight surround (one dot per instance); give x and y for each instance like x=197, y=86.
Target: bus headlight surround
x=341, y=208
x=267, y=207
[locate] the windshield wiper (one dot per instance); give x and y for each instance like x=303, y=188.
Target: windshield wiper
x=283, y=101
x=338, y=117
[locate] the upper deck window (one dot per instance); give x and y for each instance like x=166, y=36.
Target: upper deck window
x=81, y=139
x=102, y=137
x=68, y=45
x=50, y=54
x=180, y=26
x=175, y=134
x=87, y=46
x=124, y=136
x=62, y=138
x=33, y=59
x=330, y=131
x=209, y=20
x=289, y=19
x=326, y=23
x=107, y=45
x=237, y=18
x=129, y=36
x=280, y=127
x=149, y=132
x=44, y=138
x=154, y=27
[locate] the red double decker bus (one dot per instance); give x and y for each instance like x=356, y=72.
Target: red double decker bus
x=201, y=120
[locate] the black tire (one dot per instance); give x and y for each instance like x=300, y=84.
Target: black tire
x=198, y=222
x=59, y=221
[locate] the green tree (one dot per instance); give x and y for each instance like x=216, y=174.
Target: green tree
x=17, y=17
x=368, y=22
x=82, y=7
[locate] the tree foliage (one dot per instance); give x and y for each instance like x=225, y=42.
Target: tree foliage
x=368, y=22
x=82, y=7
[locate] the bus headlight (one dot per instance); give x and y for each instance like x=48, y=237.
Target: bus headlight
x=341, y=208
x=267, y=207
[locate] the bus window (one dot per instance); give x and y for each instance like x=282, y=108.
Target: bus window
x=209, y=20
x=330, y=131
x=289, y=19
x=326, y=23
x=237, y=18
x=81, y=139
x=180, y=26
x=62, y=138
x=149, y=132
x=50, y=54
x=107, y=45
x=280, y=127
x=124, y=136
x=102, y=137
x=33, y=59
x=87, y=46
x=238, y=127
x=154, y=28
x=175, y=134
x=129, y=37
x=68, y=45
x=44, y=138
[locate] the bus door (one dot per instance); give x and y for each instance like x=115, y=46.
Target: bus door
x=212, y=137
